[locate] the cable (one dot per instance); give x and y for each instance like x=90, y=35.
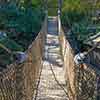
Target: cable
x=57, y=79
x=37, y=87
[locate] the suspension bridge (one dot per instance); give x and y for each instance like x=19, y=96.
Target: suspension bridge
x=52, y=73
x=49, y=71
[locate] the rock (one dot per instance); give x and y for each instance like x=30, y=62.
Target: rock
x=3, y=34
x=20, y=57
x=78, y=59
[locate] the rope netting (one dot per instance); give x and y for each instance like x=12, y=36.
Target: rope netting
x=83, y=79
x=18, y=81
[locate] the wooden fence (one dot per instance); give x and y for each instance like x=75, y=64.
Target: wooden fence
x=18, y=81
x=83, y=82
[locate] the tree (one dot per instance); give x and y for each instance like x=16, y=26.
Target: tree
x=21, y=20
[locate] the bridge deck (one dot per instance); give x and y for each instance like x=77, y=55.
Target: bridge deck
x=48, y=88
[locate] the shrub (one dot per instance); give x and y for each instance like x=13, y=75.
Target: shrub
x=74, y=11
x=77, y=15
x=21, y=25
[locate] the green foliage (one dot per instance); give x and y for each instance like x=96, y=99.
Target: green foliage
x=33, y=3
x=77, y=15
x=74, y=11
x=24, y=23
x=52, y=7
x=81, y=30
x=21, y=23
x=5, y=57
x=11, y=44
x=37, y=3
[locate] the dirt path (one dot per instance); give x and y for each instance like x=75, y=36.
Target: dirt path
x=48, y=88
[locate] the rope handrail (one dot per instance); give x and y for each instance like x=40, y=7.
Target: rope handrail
x=84, y=74
x=86, y=53
x=22, y=76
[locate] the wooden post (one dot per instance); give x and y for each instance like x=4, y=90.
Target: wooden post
x=59, y=16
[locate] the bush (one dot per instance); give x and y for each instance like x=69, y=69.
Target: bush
x=74, y=12
x=21, y=25
x=77, y=15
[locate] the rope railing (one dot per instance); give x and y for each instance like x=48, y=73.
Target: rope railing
x=18, y=81
x=83, y=81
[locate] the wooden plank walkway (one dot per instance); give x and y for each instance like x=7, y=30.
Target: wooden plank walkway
x=48, y=88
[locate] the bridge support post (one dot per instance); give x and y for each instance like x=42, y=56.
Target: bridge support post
x=59, y=15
